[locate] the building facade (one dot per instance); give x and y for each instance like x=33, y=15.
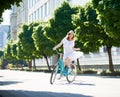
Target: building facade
x=19, y=16
x=34, y=10
x=13, y=23
x=41, y=9
x=4, y=31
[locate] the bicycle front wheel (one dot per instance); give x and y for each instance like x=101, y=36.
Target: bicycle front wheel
x=54, y=74
x=71, y=73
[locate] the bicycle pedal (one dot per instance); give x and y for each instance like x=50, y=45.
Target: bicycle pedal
x=72, y=67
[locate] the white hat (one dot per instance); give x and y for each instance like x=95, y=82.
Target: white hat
x=71, y=31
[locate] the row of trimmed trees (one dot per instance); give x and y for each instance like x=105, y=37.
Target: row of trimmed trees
x=96, y=24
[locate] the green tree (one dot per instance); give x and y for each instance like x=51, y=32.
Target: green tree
x=27, y=42
x=1, y=58
x=1, y=20
x=43, y=45
x=109, y=17
x=8, y=56
x=1, y=54
x=6, y=4
x=91, y=34
x=87, y=29
x=20, y=53
x=7, y=51
x=60, y=24
x=14, y=49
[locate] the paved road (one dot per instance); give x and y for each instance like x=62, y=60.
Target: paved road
x=32, y=84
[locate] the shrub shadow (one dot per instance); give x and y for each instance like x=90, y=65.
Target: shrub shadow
x=21, y=93
x=2, y=83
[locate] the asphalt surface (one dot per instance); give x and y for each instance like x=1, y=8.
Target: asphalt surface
x=36, y=84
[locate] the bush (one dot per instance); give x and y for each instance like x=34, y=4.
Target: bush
x=90, y=71
x=87, y=71
x=108, y=73
x=10, y=66
x=28, y=69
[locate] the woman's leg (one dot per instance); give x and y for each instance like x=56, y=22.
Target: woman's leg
x=67, y=62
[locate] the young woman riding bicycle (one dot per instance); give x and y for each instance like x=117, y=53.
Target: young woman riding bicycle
x=70, y=53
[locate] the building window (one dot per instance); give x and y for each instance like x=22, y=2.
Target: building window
x=32, y=16
x=39, y=13
x=105, y=49
x=45, y=10
x=35, y=15
x=48, y=7
x=30, y=3
x=29, y=19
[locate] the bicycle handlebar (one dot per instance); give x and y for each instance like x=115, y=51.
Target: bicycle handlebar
x=58, y=52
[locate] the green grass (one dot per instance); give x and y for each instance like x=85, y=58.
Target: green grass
x=87, y=71
x=108, y=73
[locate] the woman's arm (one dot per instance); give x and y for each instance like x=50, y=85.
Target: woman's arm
x=57, y=46
x=76, y=49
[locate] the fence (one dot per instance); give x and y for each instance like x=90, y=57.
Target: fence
x=93, y=60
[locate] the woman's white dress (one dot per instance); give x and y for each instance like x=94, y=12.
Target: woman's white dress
x=68, y=50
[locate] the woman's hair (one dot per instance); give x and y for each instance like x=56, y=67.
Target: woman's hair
x=71, y=32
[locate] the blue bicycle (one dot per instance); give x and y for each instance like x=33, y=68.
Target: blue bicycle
x=60, y=70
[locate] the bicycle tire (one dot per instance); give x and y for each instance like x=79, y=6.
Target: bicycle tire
x=72, y=74
x=54, y=74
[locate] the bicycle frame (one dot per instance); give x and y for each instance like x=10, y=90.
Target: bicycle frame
x=62, y=70
x=61, y=67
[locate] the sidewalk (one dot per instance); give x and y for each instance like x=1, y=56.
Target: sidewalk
x=32, y=84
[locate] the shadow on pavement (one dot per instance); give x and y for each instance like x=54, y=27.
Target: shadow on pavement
x=20, y=93
x=88, y=84
x=8, y=82
x=75, y=83
x=110, y=77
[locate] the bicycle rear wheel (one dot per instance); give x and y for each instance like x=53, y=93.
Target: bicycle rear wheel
x=71, y=73
x=55, y=73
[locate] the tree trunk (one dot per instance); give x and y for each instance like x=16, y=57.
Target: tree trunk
x=79, y=67
x=111, y=67
x=22, y=66
x=34, y=65
x=47, y=62
x=30, y=64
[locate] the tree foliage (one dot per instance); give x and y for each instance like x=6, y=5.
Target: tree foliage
x=8, y=51
x=27, y=43
x=20, y=52
x=109, y=16
x=14, y=49
x=60, y=24
x=87, y=29
x=26, y=40
x=6, y=4
x=43, y=45
x=91, y=33
x=1, y=53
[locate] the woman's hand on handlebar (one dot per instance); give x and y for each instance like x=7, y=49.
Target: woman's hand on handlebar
x=54, y=48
